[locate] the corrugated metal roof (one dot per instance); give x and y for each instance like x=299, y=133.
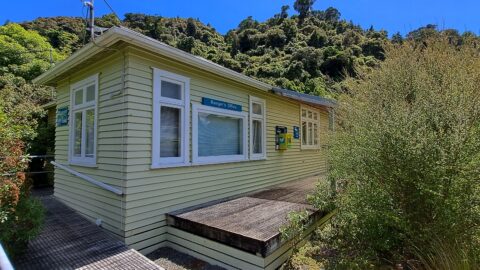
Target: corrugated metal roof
x=313, y=100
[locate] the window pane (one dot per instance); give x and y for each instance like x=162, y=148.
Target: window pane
x=315, y=134
x=304, y=133
x=310, y=114
x=77, y=134
x=171, y=90
x=257, y=137
x=219, y=135
x=257, y=108
x=310, y=133
x=315, y=116
x=91, y=93
x=90, y=133
x=170, y=132
x=304, y=113
x=79, y=97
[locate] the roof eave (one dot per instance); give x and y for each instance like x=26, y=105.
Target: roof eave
x=317, y=101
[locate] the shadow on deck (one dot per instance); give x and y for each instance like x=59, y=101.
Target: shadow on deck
x=250, y=223
x=69, y=241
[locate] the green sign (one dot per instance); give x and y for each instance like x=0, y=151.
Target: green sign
x=62, y=117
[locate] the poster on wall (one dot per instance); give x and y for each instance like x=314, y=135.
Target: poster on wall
x=62, y=117
x=296, y=132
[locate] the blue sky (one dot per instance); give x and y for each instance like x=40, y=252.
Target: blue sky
x=391, y=15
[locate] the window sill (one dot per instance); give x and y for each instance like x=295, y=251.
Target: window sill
x=172, y=165
x=201, y=163
x=310, y=148
x=257, y=158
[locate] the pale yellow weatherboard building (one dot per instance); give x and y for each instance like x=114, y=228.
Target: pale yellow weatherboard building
x=152, y=129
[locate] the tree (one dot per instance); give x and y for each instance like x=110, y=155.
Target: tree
x=397, y=38
x=24, y=53
x=318, y=39
x=248, y=23
x=423, y=33
x=303, y=7
x=186, y=44
x=284, y=12
x=20, y=216
x=332, y=14
x=405, y=163
x=276, y=37
x=282, y=15
x=191, y=28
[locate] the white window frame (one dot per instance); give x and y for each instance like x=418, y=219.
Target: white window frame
x=263, y=119
x=184, y=106
x=307, y=120
x=197, y=160
x=83, y=84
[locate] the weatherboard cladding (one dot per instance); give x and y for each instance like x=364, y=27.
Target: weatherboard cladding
x=94, y=202
x=124, y=150
x=153, y=192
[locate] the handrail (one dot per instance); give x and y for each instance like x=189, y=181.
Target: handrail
x=87, y=178
x=5, y=263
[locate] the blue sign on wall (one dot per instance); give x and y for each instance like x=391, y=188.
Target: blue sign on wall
x=296, y=132
x=221, y=104
x=62, y=116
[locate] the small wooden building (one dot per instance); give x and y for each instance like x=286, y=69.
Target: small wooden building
x=144, y=129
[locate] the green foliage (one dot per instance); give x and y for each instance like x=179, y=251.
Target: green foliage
x=303, y=259
x=21, y=102
x=295, y=228
x=22, y=226
x=24, y=53
x=405, y=161
x=443, y=255
x=271, y=51
x=20, y=217
x=66, y=34
x=303, y=7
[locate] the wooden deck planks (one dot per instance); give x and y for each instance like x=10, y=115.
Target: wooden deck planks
x=251, y=222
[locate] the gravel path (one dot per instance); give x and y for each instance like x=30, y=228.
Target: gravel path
x=171, y=259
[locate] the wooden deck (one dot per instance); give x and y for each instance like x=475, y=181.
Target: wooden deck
x=251, y=222
x=69, y=241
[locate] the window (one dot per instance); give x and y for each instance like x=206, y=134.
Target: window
x=83, y=122
x=171, y=109
x=310, y=127
x=219, y=135
x=257, y=128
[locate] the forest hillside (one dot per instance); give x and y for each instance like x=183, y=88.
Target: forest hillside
x=312, y=51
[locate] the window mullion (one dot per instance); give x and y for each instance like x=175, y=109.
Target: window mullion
x=84, y=133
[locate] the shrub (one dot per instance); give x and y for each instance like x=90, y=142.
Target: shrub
x=406, y=150
x=20, y=217
x=21, y=226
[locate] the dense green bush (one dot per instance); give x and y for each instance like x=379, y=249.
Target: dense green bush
x=24, y=55
x=21, y=227
x=405, y=162
x=20, y=216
